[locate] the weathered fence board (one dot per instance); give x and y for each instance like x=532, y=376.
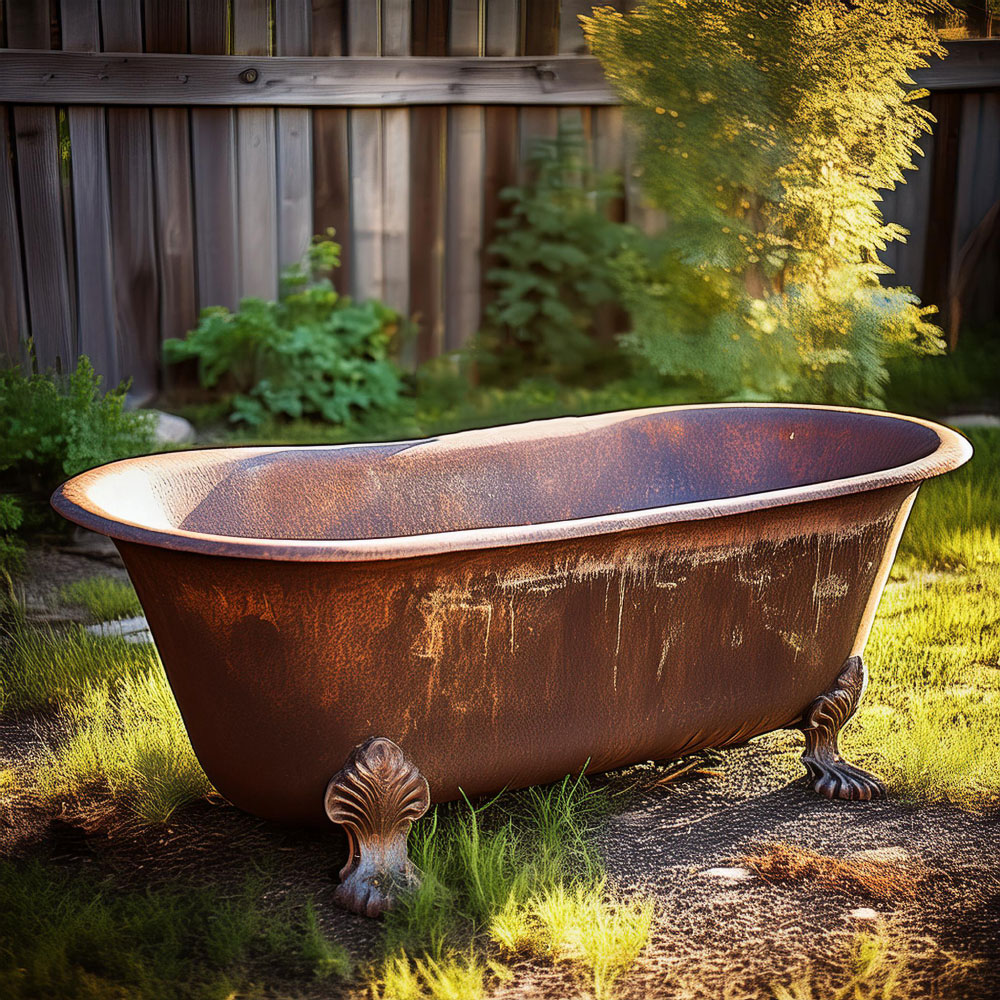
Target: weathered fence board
x=331, y=145
x=358, y=82
x=133, y=225
x=256, y=165
x=40, y=192
x=166, y=31
x=191, y=181
x=13, y=317
x=294, y=139
x=365, y=131
x=463, y=207
x=428, y=128
x=213, y=173
x=97, y=331
x=395, y=35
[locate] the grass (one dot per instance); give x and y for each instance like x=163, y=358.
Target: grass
x=126, y=742
x=516, y=877
x=104, y=598
x=69, y=935
x=39, y=668
x=930, y=718
x=881, y=964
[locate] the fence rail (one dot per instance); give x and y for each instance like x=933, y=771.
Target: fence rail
x=193, y=157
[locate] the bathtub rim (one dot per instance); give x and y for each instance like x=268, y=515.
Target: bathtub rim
x=953, y=451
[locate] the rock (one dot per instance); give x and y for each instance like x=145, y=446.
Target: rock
x=974, y=420
x=729, y=874
x=131, y=630
x=171, y=429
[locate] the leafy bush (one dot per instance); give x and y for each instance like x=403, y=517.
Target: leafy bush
x=767, y=132
x=11, y=547
x=310, y=353
x=53, y=426
x=554, y=266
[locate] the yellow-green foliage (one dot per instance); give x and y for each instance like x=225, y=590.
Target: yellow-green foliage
x=39, y=668
x=519, y=873
x=104, y=597
x=126, y=740
x=881, y=964
x=451, y=977
x=767, y=131
x=584, y=925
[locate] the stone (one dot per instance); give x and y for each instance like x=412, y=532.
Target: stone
x=131, y=630
x=172, y=429
x=729, y=874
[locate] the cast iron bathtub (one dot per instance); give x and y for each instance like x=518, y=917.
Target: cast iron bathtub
x=499, y=608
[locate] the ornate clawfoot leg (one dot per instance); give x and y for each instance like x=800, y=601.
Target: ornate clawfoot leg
x=831, y=775
x=376, y=796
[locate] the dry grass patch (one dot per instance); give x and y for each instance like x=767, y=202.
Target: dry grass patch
x=888, y=878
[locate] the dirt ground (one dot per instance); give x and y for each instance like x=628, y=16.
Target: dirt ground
x=724, y=933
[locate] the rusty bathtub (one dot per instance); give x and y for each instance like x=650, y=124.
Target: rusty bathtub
x=500, y=607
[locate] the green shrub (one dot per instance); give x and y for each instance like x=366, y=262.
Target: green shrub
x=11, y=547
x=767, y=132
x=54, y=426
x=311, y=353
x=554, y=266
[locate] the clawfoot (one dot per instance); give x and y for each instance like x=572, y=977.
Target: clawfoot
x=822, y=721
x=376, y=796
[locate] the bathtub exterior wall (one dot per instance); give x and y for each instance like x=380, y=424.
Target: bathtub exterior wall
x=514, y=666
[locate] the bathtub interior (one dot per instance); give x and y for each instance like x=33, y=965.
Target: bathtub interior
x=524, y=474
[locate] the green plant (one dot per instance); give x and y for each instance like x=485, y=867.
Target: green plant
x=53, y=426
x=553, y=266
x=310, y=353
x=104, y=597
x=40, y=669
x=11, y=547
x=492, y=869
x=126, y=742
x=766, y=132
x=72, y=935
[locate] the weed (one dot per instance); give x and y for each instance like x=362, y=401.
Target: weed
x=72, y=936
x=126, y=741
x=881, y=964
x=495, y=873
x=104, y=598
x=39, y=668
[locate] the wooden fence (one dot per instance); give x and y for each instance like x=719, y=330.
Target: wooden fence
x=158, y=156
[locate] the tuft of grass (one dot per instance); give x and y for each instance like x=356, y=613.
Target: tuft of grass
x=450, y=977
x=883, y=878
x=69, y=935
x=39, y=668
x=503, y=875
x=586, y=926
x=882, y=964
x=104, y=597
x=127, y=742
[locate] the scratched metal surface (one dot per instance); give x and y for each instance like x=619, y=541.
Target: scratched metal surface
x=512, y=664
